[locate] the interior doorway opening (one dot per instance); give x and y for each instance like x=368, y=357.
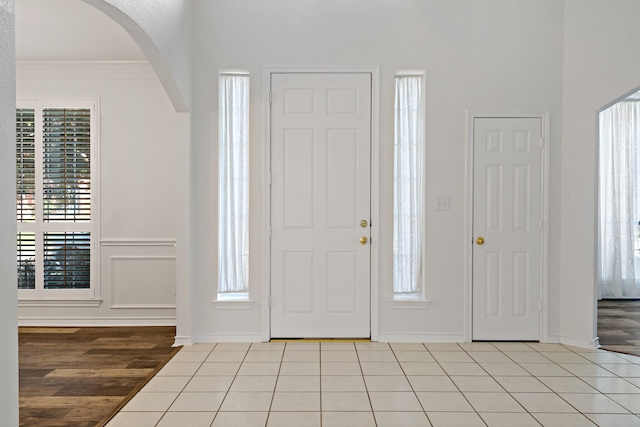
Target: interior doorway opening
x=618, y=258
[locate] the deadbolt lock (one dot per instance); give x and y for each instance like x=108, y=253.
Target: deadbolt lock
x=363, y=223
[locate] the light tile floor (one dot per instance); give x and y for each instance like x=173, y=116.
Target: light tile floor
x=361, y=384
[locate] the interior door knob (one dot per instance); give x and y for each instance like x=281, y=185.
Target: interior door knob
x=480, y=240
x=363, y=240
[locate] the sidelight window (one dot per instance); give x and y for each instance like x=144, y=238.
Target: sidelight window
x=233, y=186
x=408, y=186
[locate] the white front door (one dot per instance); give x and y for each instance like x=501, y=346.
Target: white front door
x=320, y=196
x=507, y=217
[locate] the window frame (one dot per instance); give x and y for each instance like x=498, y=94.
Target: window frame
x=232, y=297
x=420, y=294
x=64, y=297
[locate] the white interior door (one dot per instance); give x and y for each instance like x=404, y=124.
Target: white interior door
x=320, y=193
x=507, y=216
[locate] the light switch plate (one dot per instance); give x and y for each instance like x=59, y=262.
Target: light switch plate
x=442, y=203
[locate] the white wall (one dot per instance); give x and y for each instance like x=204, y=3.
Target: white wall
x=139, y=134
x=162, y=28
x=601, y=64
x=8, y=285
x=568, y=58
x=488, y=56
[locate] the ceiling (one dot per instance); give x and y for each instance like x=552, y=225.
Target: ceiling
x=64, y=30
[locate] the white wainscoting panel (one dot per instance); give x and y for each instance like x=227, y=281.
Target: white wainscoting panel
x=143, y=282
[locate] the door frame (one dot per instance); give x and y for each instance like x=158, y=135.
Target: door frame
x=544, y=232
x=374, y=71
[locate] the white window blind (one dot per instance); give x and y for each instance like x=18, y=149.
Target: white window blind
x=408, y=186
x=233, y=185
x=26, y=260
x=67, y=260
x=25, y=165
x=67, y=164
x=54, y=198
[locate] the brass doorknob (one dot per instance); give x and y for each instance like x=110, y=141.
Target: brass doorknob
x=480, y=240
x=363, y=240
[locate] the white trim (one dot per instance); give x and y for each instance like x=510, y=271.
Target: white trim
x=544, y=234
x=374, y=70
x=575, y=342
x=427, y=338
x=144, y=306
x=182, y=341
x=138, y=242
x=233, y=305
x=98, y=321
x=233, y=72
x=228, y=337
x=54, y=302
x=409, y=303
x=84, y=70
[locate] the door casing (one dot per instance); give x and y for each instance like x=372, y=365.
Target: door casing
x=266, y=182
x=468, y=234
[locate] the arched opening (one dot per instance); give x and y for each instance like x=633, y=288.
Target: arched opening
x=70, y=49
x=618, y=269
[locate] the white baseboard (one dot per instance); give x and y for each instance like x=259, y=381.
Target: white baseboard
x=223, y=337
x=432, y=338
x=182, y=340
x=575, y=342
x=96, y=321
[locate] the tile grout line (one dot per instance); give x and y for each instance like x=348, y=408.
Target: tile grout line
x=366, y=388
x=539, y=352
x=164, y=413
x=232, y=381
x=275, y=386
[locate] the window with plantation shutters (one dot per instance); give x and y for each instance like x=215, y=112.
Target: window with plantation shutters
x=55, y=193
x=66, y=135
x=25, y=165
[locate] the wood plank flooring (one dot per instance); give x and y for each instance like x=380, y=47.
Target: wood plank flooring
x=619, y=325
x=80, y=376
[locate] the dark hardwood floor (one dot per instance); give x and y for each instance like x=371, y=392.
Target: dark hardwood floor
x=619, y=325
x=80, y=376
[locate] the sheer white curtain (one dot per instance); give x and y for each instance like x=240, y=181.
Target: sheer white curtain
x=233, y=185
x=619, y=210
x=408, y=182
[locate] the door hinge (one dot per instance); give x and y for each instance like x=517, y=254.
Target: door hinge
x=269, y=178
x=269, y=301
x=270, y=231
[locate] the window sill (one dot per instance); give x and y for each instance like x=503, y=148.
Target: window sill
x=59, y=302
x=233, y=304
x=409, y=303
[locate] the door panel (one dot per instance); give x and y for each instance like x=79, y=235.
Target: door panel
x=320, y=191
x=507, y=213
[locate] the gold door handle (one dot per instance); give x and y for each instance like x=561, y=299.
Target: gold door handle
x=480, y=240
x=363, y=240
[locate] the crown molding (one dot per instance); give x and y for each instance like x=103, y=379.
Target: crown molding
x=84, y=70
